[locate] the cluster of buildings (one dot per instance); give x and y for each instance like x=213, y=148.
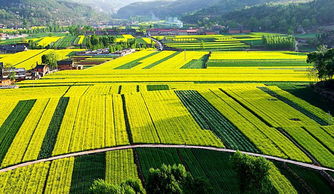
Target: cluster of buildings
x=172, y=32
x=13, y=48
x=114, y=32
x=8, y=75
x=197, y=31
x=106, y=52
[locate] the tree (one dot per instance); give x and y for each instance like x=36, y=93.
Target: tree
x=130, y=186
x=174, y=180
x=252, y=173
x=50, y=59
x=323, y=61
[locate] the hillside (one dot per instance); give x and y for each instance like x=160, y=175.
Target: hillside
x=31, y=12
x=227, y=6
x=163, y=8
x=182, y=7
x=273, y=17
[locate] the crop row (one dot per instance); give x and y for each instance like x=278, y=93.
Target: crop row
x=64, y=42
x=210, y=118
x=281, y=115
x=91, y=122
x=267, y=139
x=120, y=166
x=12, y=125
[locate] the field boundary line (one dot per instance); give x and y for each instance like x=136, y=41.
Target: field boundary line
x=274, y=158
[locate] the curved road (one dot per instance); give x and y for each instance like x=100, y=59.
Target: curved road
x=307, y=165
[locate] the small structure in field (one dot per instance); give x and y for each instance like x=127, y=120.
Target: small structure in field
x=42, y=70
x=13, y=48
x=68, y=65
x=5, y=82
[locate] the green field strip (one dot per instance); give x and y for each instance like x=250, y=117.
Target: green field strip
x=197, y=63
x=306, y=93
x=161, y=60
x=208, y=117
x=120, y=166
x=295, y=106
x=12, y=124
x=320, y=153
x=135, y=62
x=86, y=169
x=64, y=42
x=50, y=137
x=254, y=63
x=157, y=87
x=304, y=180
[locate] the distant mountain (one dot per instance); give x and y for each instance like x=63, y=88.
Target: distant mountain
x=42, y=12
x=198, y=8
x=163, y=8
x=107, y=6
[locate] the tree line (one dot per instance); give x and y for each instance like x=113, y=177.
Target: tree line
x=98, y=42
x=252, y=174
x=278, y=42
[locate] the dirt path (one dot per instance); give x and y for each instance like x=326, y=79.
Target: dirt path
x=307, y=165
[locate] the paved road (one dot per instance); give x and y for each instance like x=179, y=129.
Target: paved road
x=307, y=165
x=160, y=46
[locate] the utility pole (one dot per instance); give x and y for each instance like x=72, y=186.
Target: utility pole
x=1, y=71
x=185, y=55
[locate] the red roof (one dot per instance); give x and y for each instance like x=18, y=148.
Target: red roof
x=172, y=30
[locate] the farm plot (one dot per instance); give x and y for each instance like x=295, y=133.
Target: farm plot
x=294, y=124
x=208, y=117
x=179, y=60
x=170, y=120
x=46, y=41
x=120, y=166
x=64, y=42
x=95, y=122
x=267, y=139
x=257, y=59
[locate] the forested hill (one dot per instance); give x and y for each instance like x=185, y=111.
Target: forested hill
x=41, y=12
x=287, y=17
x=163, y=8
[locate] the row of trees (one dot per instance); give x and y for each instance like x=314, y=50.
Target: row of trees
x=279, y=42
x=98, y=42
x=252, y=173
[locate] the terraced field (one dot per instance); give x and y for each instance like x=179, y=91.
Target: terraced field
x=152, y=97
x=29, y=59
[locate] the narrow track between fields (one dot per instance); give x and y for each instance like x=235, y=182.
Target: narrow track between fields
x=302, y=164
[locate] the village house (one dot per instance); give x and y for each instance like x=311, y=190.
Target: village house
x=5, y=82
x=238, y=31
x=13, y=48
x=164, y=32
x=20, y=73
x=68, y=65
x=42, y=70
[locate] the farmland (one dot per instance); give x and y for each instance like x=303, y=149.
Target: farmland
x=29, y=59
x=238, y=100
x=214, y=42
x=77, y=173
